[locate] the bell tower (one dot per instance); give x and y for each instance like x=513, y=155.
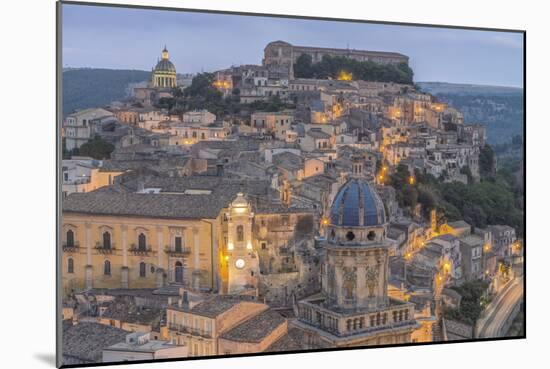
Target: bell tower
x=241, y=258
x=165, y=55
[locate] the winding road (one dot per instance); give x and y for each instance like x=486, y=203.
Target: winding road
x=497, y=314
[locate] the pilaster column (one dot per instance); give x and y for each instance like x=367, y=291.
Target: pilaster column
x=248, y=233
x=88, y=243
x=125, y=271
x=338, y=283
x=160, y=248
x=230, y=241
x=196, y=248
x=88, y=268
x=385, y=261
x=362, y=294
x=195, y=275
x=124, y=230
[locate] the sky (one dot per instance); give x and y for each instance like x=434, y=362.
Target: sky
x=127, y=38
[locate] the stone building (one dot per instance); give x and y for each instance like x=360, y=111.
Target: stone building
x=83, y=125
x=140, y=346
x=199, y=325
x=281, y=53
x=503, y=237
x=354, y=308
x=140, y=239
x=276, y=123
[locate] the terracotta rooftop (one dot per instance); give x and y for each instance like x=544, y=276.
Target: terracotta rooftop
x=170, y=206
x=85, y=341
x=257, y=328
x=126, y=310
x=215, y=305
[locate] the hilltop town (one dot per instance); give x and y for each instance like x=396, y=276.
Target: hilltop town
x=318, y=199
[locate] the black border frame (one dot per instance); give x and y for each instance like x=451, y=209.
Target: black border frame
x=58, y=125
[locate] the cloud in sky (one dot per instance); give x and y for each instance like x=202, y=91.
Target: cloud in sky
x=111, y=37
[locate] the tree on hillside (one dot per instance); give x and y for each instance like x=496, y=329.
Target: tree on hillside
x=487, y=162
x=304, y=66
x=333, y=66
x=97, y=148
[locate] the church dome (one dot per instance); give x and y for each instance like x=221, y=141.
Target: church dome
x=357, y=205
x=165, y=65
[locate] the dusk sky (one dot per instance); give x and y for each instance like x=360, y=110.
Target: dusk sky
x=123, y=38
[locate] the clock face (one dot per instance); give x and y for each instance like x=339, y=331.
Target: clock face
x=239, y=263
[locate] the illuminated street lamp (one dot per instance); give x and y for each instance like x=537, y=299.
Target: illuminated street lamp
x=411, y=180
x=324, y=221
x=344, y=76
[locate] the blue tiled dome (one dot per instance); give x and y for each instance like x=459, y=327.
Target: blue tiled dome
x=356, y=204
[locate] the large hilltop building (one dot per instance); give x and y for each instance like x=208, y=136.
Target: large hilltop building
x=281, y=53
x=354, y=308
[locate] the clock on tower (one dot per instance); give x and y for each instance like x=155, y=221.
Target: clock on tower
x=241, y=257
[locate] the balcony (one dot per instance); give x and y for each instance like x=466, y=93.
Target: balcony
x=101, y=249
x=70, y=248
x=182, y=252
x=189, y=330
x=135, y=250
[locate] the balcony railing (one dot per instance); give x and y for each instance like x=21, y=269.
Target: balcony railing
x=189, y=330
x=100, y=248
x=70, y=248
x=184, y=251
x=136, y=250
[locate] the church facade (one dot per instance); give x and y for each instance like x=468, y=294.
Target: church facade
x=353, y=308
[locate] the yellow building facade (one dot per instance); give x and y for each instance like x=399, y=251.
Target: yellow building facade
x=136, y=252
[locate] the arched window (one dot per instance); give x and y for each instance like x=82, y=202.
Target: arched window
x=240, y=233
x=107, y=267
x=142, y=269
x=70, y=265
x=70, y=238
x=142, y=242
x=106, y=240
x=179, y=272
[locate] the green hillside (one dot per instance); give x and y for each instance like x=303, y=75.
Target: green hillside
x=89, y=87
x=499, y=109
